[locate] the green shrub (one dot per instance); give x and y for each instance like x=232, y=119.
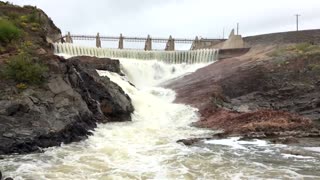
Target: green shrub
x=24, y=18
x=21, y=86
x=12, y=15
x=33, y=17
x=302, y=50
x=314, y=67
x=5, y=3
x=8, y=31
x=302, y=47
x=22, y=69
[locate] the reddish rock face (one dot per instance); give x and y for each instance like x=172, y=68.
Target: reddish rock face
x=268, y=122
x=253, y=94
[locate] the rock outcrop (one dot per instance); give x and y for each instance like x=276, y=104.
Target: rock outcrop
x=64, y=109
x=103, y=96
x=68, y=104
x=257, y=94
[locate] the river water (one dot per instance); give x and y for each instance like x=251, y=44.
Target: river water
x=146, y=148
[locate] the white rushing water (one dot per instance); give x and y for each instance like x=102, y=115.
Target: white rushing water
x=146, y=148
x=171, y=57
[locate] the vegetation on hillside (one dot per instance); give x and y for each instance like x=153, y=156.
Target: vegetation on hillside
x=22, y=68
x=19, y=36
x=302, y=50
x=15, y=24
x=305, y=51
x=8, y=31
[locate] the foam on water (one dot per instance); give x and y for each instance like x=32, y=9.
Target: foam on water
x=236, y=143
x=315, y=149
x=151, y=73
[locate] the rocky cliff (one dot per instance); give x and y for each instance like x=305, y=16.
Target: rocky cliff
x=48, y=100
x=64, y=109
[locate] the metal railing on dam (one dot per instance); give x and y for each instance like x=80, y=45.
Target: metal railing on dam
x=172, y=57
x=170, y=42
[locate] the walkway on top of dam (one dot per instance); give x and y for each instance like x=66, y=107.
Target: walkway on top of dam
x=136, y=39
x=170, y=42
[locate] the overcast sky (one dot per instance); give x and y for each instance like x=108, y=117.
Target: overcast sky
x=179, y=18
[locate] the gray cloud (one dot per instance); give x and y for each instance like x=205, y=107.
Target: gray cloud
x=180, y=18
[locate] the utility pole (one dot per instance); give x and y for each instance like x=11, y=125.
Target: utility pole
x=237, y=28
x=223, y=33
x=297, y=21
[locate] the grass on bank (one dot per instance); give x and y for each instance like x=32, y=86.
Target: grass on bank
x=302, y=50
x=23, y=69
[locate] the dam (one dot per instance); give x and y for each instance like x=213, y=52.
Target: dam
x=172, y=57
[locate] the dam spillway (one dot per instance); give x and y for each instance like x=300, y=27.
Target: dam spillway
x=170, y=57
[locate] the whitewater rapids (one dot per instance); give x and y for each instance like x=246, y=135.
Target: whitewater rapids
x=146, y=148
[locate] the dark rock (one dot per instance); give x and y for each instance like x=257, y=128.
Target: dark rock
x=254, y=135
x=285, y=140
x=188, y=142
x=9, y=108
x=88, y=62
x=103, y=97
x=63, y=110
x=14, y=108
x=8, y=178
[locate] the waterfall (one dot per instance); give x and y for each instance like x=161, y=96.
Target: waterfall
x=170, y=57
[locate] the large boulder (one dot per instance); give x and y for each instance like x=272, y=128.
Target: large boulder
x=101, y=94
x=43, y=118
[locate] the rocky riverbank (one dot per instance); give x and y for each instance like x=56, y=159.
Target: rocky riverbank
x=270, y=92
x=47, y=100
x=64, y=109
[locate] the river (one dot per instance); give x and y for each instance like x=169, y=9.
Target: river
x=146, y=148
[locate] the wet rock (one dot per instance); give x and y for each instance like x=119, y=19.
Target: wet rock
x=1, y=176
x=103, y=97
x=254, y=135
x=88, y=62
x=285, y=140
x=192, y=141
x=189, y=142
